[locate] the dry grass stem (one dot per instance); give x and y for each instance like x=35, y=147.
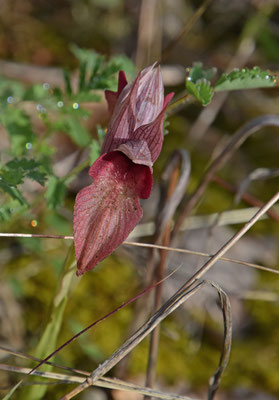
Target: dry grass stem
x=155, y=246
x=174, y=302
x=107, y=383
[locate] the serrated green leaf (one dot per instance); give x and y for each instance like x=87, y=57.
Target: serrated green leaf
x=12, y=191
x=254, y=78
x=12, y=177
x=201, y=90
x=95, y=150
x=17, y=169
x=37, y=176
x=13, y=174
x=102, y=74
x=56, y=192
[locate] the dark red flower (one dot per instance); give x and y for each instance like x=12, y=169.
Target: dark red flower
x=108, y=210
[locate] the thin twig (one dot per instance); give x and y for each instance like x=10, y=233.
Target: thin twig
x=107, y=383
x=149, y=245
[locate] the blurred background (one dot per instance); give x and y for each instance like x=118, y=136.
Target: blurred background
x=38, y=41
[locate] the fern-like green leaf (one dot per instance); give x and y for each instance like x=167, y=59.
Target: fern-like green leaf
x=12, y=191
x=254, y=78
x=201, y=90
x=198, y=82
x=17, y=169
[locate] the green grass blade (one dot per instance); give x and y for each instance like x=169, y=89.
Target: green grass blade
x=48, y=341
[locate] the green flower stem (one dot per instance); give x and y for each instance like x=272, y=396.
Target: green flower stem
x=178, y=102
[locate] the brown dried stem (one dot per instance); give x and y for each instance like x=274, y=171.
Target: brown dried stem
x=160, y=272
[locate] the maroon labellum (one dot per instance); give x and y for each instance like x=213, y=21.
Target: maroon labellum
x=108, y=210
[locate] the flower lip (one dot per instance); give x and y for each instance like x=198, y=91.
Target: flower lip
x=108, y=210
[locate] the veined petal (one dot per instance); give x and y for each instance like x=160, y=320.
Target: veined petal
x=111, y=96
x=108, y=210
x=152, y=133
x=123, y=119
x=137, y=151
x=138, y=104
x=150, y=96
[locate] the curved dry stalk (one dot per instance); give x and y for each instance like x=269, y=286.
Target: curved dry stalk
x=257, y=174
x=172, y=304
x=238, y=138
x=227, y=342
x=107, y=383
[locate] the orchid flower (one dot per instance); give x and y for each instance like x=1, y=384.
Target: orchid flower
x=108, y=210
